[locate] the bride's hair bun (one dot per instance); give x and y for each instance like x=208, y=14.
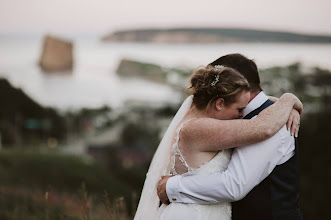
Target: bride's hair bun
x=208, y=83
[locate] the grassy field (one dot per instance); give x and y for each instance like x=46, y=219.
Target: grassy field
x=55, y=186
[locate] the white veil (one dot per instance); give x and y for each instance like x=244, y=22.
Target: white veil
x=149, y=201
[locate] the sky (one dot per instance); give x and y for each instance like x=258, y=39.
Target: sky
x=99, y=17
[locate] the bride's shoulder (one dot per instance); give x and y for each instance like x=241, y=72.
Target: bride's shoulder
x=201, y=128
x=195, y=126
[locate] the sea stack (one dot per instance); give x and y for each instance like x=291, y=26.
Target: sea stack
x=57, y=55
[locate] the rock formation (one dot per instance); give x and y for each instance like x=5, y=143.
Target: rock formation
x=175, y=77
x=57, y=55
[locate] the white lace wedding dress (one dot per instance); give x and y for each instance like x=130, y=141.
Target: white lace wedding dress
x=219, y=211
x=148, y=207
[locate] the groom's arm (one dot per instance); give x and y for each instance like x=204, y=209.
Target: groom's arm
x=249, y=165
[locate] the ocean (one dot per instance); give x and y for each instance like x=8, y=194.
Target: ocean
x=94, y=83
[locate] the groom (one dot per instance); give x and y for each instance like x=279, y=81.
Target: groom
x=264, y=177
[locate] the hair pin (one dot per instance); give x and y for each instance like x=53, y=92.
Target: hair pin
x=217, y=78
x=218, y=67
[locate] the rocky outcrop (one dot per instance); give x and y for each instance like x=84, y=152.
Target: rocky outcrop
x=135, y=69
x=57, y=55
x=175, y=77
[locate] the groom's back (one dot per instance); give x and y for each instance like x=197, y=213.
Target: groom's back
x=274, y=198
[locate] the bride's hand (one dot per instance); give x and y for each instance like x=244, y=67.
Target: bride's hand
x=293, y=123
x=297, y=103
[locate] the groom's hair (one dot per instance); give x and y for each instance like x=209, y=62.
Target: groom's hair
x=243, y=65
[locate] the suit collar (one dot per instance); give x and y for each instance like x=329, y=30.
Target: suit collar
x=255, y=103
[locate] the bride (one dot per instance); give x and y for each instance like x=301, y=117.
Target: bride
x=199, y=138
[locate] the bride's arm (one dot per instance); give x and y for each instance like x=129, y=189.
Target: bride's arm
x=211, y=134
x=272, y=98
x=293, y=122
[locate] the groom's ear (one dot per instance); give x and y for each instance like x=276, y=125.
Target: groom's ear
x=219, y=104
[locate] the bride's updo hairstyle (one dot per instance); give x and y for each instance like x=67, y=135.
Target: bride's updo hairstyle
x=210, y=83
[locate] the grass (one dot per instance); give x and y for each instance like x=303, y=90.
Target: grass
x=55, y=186
x=63, y=172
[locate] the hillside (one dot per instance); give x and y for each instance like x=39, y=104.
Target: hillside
x=211, y=35
x=24, y=119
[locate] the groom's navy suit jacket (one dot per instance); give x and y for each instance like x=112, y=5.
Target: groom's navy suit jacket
x=277, y=196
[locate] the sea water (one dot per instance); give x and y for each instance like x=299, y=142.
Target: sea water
x=93, y=81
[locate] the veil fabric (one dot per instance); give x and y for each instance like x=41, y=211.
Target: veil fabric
x=149, y=201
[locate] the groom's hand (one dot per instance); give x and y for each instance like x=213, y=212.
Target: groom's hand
x=162, y=189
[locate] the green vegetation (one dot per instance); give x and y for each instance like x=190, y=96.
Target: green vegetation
x=311, y=85
x=314, y=153
x=70, y=183
x=63, y=172
x=25, y=123
x=21, y=118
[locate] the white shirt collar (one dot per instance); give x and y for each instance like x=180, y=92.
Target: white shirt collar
x=255, y=103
